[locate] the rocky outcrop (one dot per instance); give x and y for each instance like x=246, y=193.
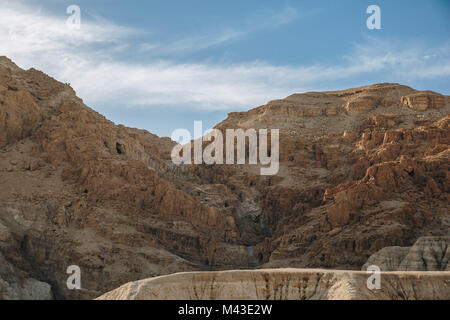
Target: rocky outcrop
x=31, y=289
x=427, y=254
x=286, y=284
x=421, y=101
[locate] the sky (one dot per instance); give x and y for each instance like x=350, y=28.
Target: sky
x=160, y=65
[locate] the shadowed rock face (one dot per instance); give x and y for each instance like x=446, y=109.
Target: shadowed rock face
x=361, y=169
x=286, y=284
x=427, y=254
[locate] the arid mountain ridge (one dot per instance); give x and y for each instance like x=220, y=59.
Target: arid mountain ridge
x=361, y=169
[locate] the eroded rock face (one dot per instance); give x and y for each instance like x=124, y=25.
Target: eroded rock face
x=286, y=284
x=427, y=254
x=366, y=175
x=358, y=172
x=421, y=101
x=387, y=259
x=78, y=190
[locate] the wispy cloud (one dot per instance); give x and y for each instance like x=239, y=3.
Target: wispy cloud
x=267, y=19
x=23, y=28
x=89, y=60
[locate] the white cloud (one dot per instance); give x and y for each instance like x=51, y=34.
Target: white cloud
x=267, y=19
x=88, y=59
x=25, y=29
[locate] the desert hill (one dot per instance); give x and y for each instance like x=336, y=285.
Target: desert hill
x=361, y=169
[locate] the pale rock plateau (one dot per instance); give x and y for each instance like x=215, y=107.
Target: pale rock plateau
x=286, y=284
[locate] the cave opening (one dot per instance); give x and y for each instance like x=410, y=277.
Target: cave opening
x=119, y=148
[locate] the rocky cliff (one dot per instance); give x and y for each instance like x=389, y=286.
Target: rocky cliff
x=361, y=169
x=78, y=190
x=286, y=284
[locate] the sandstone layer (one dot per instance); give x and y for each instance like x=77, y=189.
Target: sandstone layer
x=361, y=169
x=286, y=284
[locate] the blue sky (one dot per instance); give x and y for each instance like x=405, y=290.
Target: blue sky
x=160, y=65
